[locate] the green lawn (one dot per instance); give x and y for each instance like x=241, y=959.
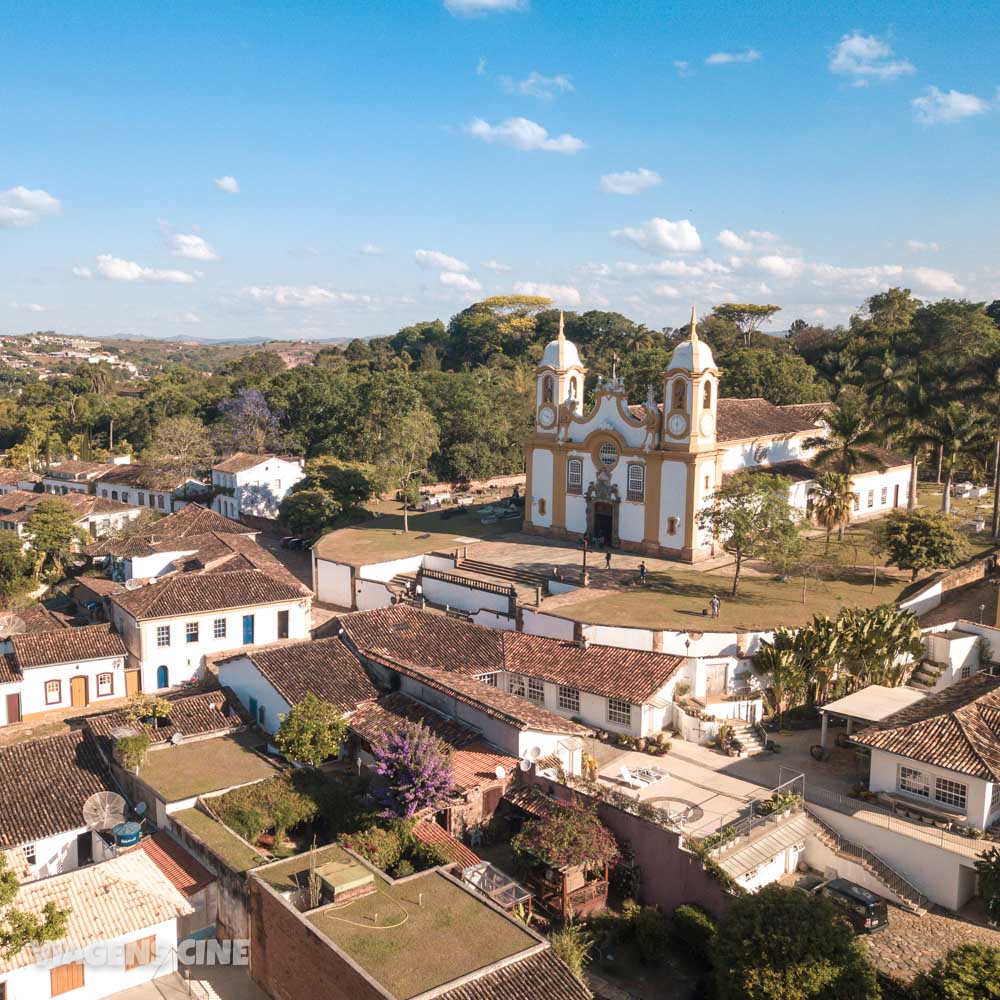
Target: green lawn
x=409, y=948
x=383, y=539
x=203, y=766
x=220, y=841
x=283, y=876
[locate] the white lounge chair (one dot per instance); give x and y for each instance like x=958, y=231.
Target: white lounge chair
x=630, y=779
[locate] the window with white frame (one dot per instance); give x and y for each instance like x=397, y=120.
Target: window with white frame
x=30, y=855
x=219, y=628
x=885, y=495
x=105, y=684
x=995, y=797
x=490, y=679
x=913, y=781
x=636, y=489
x=608, y=453
x=536, y=693
x=574, y=476
x=950, y=793
x=619, y=711
x=516, y=685
x=871, y=498
x=162, y=635
x=966, y=671
x=857, y=501
x=191, y=632
x=569, y=699
x=53, y=692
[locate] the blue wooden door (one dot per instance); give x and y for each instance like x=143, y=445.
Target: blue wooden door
x=247, y=629
x=162, y=677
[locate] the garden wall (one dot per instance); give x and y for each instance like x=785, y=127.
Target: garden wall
x=931, y=594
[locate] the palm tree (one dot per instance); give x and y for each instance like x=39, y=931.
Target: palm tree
x=906, y=413
x=988, y=378
x=955, y=429
x=880, y=644
x=781, y=673
x=851, y=440
x=831, y=500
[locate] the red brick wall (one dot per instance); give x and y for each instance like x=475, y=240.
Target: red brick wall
x=290, y=962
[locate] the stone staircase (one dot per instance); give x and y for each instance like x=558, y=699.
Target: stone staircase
x=519, y=577
x=912, y=898
x=926, y=676
x=747, y=735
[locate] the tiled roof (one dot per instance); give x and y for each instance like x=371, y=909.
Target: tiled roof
x=426, y=638
x=143, y=477
x=957, y=728
x=9, y=674
x=183, y=871
x=755, y=418
x=509, y=708
x=191, y=594
x=541, y=974
x=633, y=674
x=324, y=667
x=44, y=784
x=190, y=715
x=242, y=461
x=105, y=901
x=67, y=645
x=430, y=833
x=528, y=799
x=19, y=505
x=191, y=519
x=75, y=468
x=39, y=618
x=8, y=476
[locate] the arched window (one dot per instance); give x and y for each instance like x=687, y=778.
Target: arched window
x=636, y=486
x=547, y=389
x=680, y=395
x=574, y=476
x=162, y=677
x=707, y=399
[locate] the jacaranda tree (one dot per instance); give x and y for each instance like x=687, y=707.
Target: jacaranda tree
x=417, y=768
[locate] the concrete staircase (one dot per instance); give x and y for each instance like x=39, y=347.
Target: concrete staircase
x=519, y=577
x=402, y=583
x=926, y=676
x=747, y=735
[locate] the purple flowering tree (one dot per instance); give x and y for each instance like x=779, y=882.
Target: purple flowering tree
x=250, y=420
x=417, y=769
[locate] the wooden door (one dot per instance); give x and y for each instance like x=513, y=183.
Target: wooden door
x=78, y=692
x=13, y=708
x=131, y=682
x=64, y=978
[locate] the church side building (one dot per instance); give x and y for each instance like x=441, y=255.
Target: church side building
x=637, y=475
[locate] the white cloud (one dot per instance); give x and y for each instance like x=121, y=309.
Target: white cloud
x=731, y=241
x=673, y=268
x=32, y=307
x=781, y=267
x=472, y=8
x=229, y=184
x=297, y=296
x=188, y=317
x=118, y=269
x=441, y=261
x=191, y=246
x=919, y=246
x=935, y=281
x=865, y=57
x=563, y=295
x=630, y=181
x=763, y=236
x=727, y=58
x=939, y=107
x=662, y=236
x=481, y=66
x=536, y=84
x=666, y=291
x=461, y=282
x=21, y=207
x=495, y=265
x=524, y=134
x=83, y=272
x=370, y=250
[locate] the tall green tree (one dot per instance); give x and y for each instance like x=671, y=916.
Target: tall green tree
x=180, y=445
x=15, y=568
x=956, y=429
x=851, y=441
x=311, y=732
x=406, y=450
x=967, y=972
x=879, y=645
x=53, y=533
x=831, y=501
x=920, y=541
x=20, y=928
x=746, y=317
x=782, y=675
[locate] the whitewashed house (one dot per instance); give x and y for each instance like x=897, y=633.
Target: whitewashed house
x=95, y=516
x=170, y=626
x=254, y=484
x=148, y=487
x=61, y=669
x=121, y=931
x=74, y=476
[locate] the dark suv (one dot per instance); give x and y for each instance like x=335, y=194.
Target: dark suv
x=866, y=912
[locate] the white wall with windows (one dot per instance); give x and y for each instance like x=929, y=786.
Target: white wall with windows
x=52, y=687
x=258, y=490
x=255, y=692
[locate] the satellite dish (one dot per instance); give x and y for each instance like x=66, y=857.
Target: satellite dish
x=10, y=624
x=177, y=739
x=534, y=753
x=501, y=772
x=140, y=808
x=133, y=583
x=525, y=764
x=104, y=810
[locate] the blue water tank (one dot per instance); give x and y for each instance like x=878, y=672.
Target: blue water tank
x=127, y=834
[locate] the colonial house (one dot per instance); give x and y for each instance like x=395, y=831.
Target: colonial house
x=170, y=626
x=95, y=516
x=638, y=475
x=61, y=669
x=74, y=476
x=121, y=931
x=13, y=480
x=939, y=758
x=149, y=487
x=270, y=681
x=254, y=484
x=43, y=787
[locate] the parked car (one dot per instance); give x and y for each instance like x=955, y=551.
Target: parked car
x=286, y=542
x=866, y=912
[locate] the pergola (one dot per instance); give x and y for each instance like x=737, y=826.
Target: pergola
x=869, y=705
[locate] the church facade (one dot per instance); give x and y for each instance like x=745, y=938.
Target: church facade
x=636, y=476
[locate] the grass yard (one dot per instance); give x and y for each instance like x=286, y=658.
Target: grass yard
x=203, y=766
x=410, y=948
x=227, y=847
x=284, y=876
x=383, y=539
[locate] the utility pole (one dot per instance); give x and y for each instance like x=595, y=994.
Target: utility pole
x=586, y=547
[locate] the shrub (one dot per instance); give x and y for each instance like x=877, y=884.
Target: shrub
x=402, y=869
x=249, y=823
x=383, y=848
x=626, y=876
x=424, y=856
x=694, y=930
x=132, y=750
x=652, y=934
x=968, y=972
x=573, y=944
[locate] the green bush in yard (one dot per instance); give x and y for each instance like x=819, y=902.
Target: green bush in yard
x=652, y=934
x=249, y=823
x=573, y=945
x=968, y=972
x=694, y=929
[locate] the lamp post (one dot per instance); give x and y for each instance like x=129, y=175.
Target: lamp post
x=982, y=608
x=586, y=548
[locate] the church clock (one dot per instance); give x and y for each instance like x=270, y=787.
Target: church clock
x=677, y=424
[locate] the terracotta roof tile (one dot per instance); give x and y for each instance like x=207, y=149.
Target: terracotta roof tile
x=541, y=974
x=323, y=667
x=241, y=461
x=186, y=593
x=192, y=519
x=740, y=419
x=142, y=477
x=66, y=645
x=44, y=784
x=437, y=836
x=185, y=873
x=957, y=728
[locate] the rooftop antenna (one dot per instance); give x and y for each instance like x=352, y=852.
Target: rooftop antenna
x=133, y=583
x=104, y=810
x=501, y=772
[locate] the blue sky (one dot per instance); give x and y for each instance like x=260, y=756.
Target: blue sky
x=326, y=170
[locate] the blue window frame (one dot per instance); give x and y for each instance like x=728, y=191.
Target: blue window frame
x=247, y=630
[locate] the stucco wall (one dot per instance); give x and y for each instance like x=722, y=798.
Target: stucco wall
x=541, y=487
x=247, y=682
x=332, y=583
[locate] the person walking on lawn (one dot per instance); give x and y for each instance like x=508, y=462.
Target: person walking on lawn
x=607, y=559
x=642, y=572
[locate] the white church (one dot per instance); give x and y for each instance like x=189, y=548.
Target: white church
x=637, y=475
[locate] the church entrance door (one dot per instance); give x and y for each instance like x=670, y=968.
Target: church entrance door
x=604, y=521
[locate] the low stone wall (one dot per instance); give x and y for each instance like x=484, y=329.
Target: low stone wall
x=931, y=594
